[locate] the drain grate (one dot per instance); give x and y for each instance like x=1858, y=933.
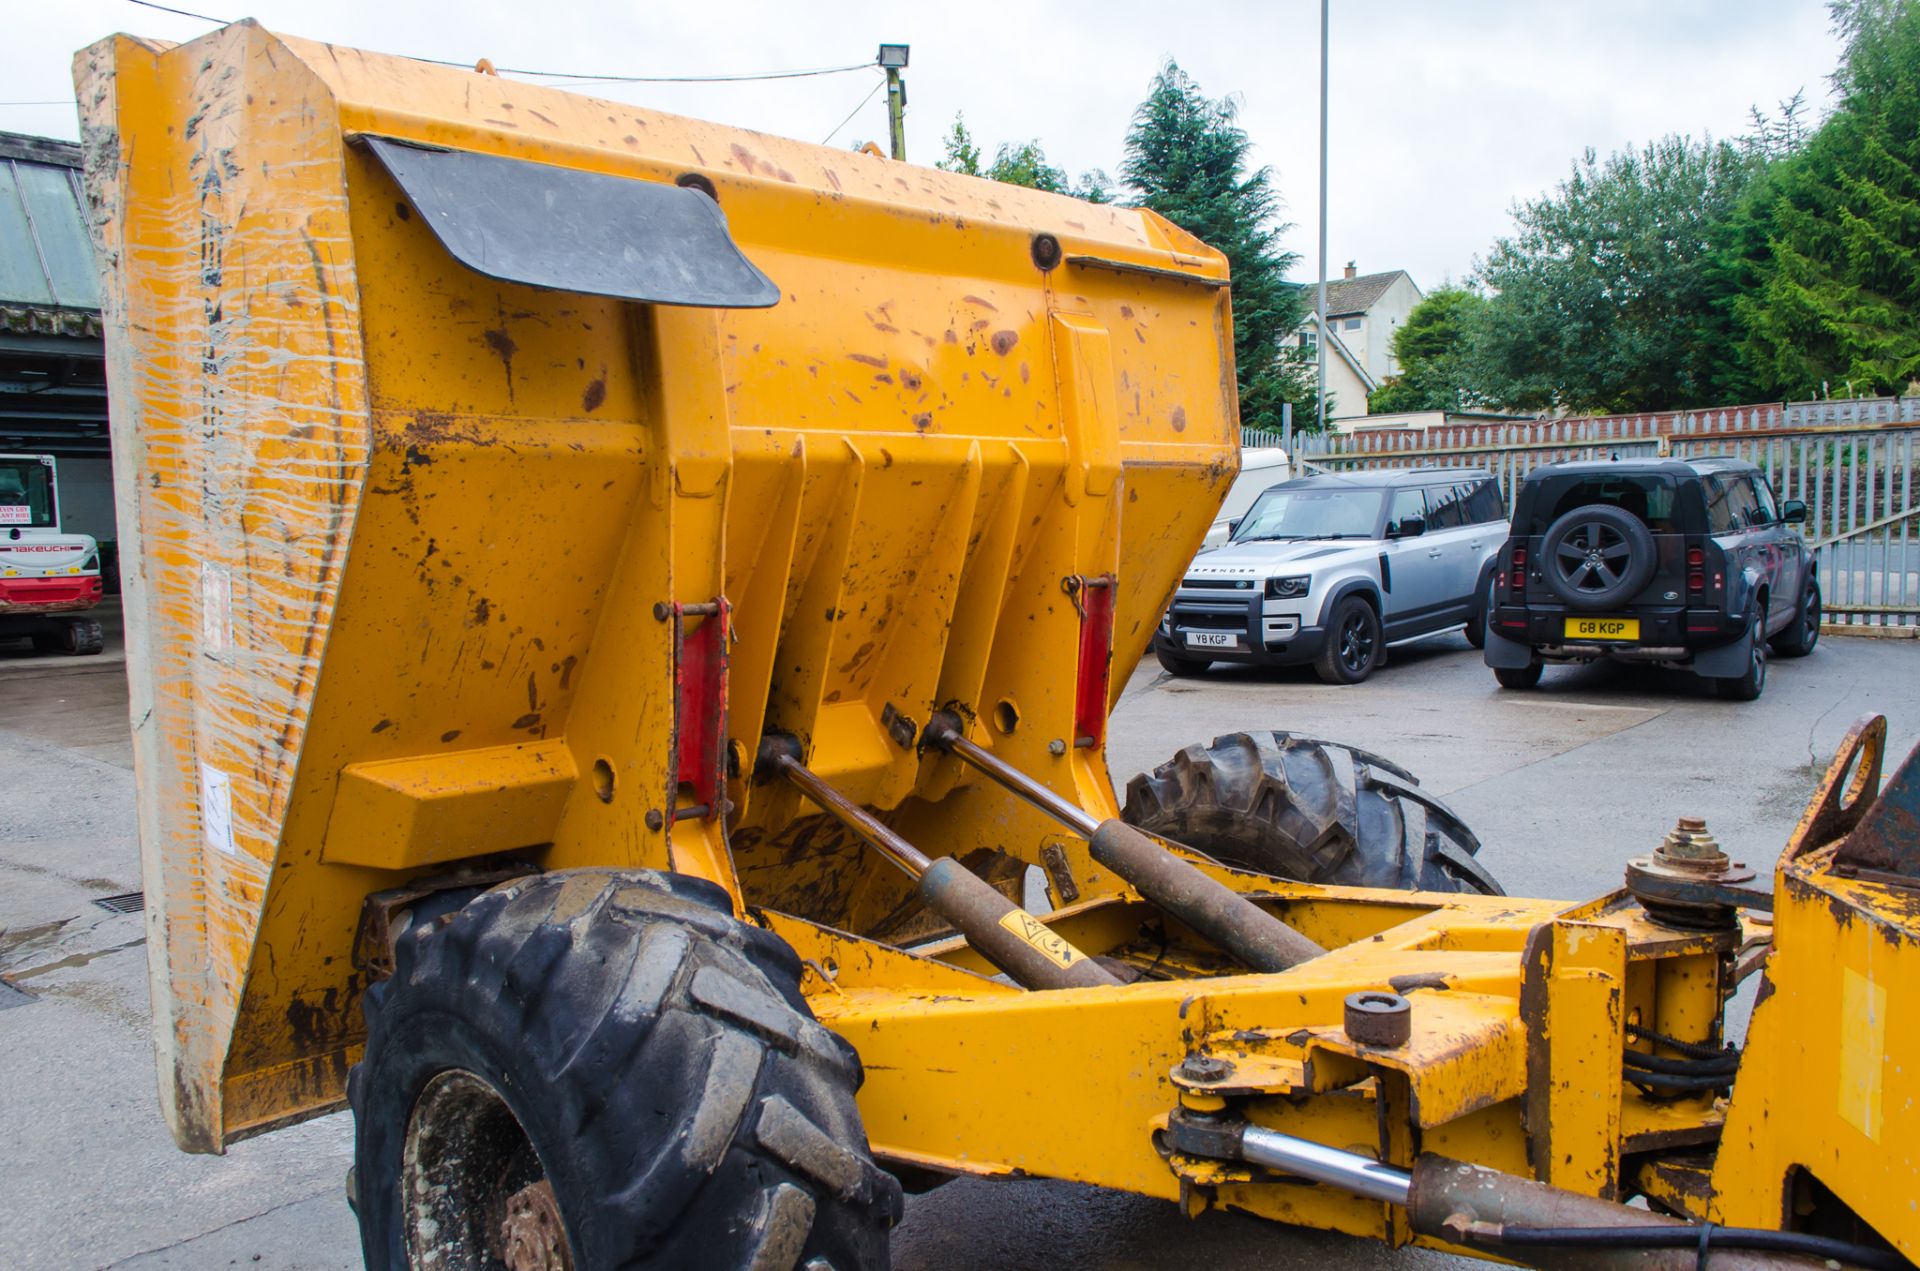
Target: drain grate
x=11, y=996
x=130, y=903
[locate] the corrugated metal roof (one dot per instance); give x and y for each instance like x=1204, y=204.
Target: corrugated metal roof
x=46, y=257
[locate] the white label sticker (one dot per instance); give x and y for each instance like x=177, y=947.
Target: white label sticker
x=216, y=809
x=15, y=514
x=216, y=608
x=1863, y=1023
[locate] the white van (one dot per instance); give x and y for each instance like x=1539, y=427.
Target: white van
x=1267, y=466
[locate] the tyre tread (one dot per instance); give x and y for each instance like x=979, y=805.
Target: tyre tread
x=650, y=1032
x=1316, y=811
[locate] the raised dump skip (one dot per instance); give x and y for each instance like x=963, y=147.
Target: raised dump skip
x=489, y=492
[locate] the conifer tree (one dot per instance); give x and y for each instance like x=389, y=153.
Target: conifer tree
x=1828, y=247
x=1187, y=159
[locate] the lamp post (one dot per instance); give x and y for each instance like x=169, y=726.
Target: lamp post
x=893, y=59
x=1320, y=343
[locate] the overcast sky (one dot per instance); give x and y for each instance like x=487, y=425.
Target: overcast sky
x=1443, y=112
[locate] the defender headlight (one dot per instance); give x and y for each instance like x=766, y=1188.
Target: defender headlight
x=1288, y=588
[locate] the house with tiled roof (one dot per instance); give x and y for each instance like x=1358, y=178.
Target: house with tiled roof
x=1363, y=313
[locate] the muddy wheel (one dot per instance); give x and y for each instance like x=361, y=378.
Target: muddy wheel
x=605, y=1069
x=77, y=635
x=85, y=636
x=1308, y=810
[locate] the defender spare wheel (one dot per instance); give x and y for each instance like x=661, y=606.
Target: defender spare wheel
x=1597, y=557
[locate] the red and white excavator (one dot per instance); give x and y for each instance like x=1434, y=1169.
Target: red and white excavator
x=48, y=579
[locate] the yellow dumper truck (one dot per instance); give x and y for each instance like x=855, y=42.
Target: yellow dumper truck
x=620, y=607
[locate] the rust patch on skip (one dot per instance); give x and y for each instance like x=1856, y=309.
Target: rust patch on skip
x=866, y=360
x=594, y=396
x=482, y=611
x=1179, y=419
x=529, y=720
x=909, y=379
x=502, y=344
x=983, y=303
x=1003, y=342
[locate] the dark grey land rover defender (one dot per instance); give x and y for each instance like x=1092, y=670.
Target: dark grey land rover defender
x=1683, y=563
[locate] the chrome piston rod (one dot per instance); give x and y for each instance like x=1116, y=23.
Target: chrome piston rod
x=1349, y=1171
x=944, y=732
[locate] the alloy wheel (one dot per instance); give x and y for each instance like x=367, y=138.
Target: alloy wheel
x=1356, y=643
x=1593, y=557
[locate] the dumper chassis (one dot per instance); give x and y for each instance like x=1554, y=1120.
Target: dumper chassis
x=655, y=897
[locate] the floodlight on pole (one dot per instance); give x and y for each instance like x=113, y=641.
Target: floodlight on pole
x=893, y=60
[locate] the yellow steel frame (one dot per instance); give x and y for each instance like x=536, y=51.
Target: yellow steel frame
x=968, y=1075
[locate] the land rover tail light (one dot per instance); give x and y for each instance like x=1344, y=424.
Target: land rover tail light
x=1519, y=579
x=1696, y=566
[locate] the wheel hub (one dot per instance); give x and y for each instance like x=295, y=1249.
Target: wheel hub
x=472, y=1189
x=532, y=1237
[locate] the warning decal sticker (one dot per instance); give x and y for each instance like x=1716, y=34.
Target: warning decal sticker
x=1035, y=933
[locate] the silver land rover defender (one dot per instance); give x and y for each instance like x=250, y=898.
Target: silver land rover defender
x=1331, y=569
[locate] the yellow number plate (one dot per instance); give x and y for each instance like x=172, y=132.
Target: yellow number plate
x=1603, y=628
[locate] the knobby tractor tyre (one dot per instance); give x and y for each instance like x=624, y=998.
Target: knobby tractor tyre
x=1311, y=811
x=608, y=1064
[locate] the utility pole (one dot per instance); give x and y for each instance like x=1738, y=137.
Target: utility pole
x=893, y=57
x=1320, y=342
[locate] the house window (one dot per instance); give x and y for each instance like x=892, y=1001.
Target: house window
x=1306, y=339
x=1353, y=324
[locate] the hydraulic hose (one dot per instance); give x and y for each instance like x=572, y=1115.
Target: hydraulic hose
x=1704, y=1237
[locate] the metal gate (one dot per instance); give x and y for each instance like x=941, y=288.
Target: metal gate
x=1851, y=462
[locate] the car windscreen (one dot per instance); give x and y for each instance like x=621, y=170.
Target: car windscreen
x=1312, y=513
x=1651, y=496
x=26, y=494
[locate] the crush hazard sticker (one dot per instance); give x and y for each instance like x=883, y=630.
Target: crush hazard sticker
x=1035, y=933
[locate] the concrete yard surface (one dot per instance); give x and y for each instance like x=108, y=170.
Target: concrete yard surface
x=1562, y=784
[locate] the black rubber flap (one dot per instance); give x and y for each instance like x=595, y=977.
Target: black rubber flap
x=568, y=230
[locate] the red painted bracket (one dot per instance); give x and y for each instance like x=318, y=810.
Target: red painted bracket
x=700, y=708
x=1093, y=598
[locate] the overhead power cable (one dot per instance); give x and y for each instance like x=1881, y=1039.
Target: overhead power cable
x=878, y=85
x=166, y=8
